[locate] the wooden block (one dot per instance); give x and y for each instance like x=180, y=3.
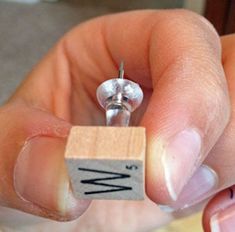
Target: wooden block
x=106, y=162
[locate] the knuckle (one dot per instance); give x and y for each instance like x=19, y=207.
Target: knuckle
x=186, y=21
x=185, y=30
x=194, y=18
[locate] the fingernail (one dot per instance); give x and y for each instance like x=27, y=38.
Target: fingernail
x=224, y=220
x=40, y=174
x=199, y=187
x=179, y=160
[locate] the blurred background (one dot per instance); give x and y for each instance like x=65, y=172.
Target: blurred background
x=29, y=28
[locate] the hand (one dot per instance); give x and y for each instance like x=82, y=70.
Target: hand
x=176, y=57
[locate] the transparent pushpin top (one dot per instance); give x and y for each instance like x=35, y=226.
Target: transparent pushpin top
x=119, y=97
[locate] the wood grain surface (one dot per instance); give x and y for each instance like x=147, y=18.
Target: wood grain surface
x=106, y=162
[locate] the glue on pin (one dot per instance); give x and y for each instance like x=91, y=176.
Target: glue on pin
x=119, y=97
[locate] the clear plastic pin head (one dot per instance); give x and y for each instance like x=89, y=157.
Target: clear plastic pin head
x=119, y=97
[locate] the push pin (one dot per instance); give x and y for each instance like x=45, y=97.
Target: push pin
x=119, y=97
x=107, y=162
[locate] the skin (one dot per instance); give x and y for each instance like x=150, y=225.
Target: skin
x=178, y=65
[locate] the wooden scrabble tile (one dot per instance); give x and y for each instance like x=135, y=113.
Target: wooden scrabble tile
x=106, y=162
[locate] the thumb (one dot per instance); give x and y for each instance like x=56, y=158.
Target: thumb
x=33, y=173
x=190, y=96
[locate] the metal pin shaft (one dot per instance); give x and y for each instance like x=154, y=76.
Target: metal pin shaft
x=121, y=70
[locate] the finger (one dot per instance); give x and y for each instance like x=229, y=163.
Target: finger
x=220, y=159
x=187, y=103
x=219, y=215
x=33, y=174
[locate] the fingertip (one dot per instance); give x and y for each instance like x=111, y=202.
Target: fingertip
x=155, y=181
x=40, y=178
x=219, y=214
x=171, y=162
